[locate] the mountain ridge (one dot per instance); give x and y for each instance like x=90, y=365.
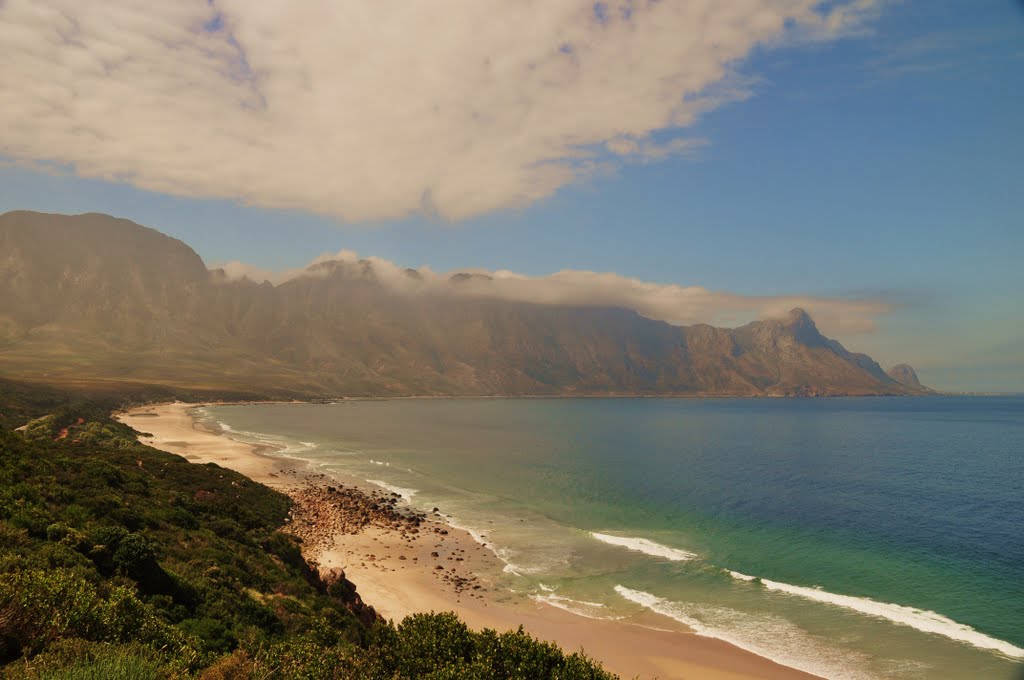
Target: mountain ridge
x=96, y=297
x=906, y=375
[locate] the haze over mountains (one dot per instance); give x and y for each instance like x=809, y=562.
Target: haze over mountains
x=91, y=297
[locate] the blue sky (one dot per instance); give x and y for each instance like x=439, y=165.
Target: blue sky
x=883, y=164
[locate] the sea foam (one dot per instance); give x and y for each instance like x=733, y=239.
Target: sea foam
x=503, y=554
x=590, y=610
x=402, y=491
x=642, y=545
x=771, y=637
x=920, y=619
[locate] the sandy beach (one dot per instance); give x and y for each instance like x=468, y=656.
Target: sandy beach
x=405, y=561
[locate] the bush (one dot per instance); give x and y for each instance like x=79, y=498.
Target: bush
x=212, y=634
x=109, y=536
x=41, y=607
x=439, y=646
x=133, y=554
x=41, y=429
x=32, y=519
x=57, y=531
x=427, y=642
x=300, y=658
x=285, y=547
x=12, y=537
x=236, y=666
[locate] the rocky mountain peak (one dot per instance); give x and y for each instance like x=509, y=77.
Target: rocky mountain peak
x=799, y=316
x=801, y=326
x=905, y=375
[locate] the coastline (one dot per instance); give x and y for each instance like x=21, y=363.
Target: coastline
x=401, y=566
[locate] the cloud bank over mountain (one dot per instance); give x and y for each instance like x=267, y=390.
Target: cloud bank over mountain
x=373, y=110
x=92, y=297
x=675, y=304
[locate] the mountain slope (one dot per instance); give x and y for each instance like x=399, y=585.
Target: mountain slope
x=906, y=376
x=93, y=297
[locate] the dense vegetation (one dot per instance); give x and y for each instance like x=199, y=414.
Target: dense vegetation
x=121, y=561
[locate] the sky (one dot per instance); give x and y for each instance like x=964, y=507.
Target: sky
x=695, y=160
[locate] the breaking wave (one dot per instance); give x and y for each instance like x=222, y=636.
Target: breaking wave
x=647, y=547
x=771, y=637
x=402, y=491
x=920, y=619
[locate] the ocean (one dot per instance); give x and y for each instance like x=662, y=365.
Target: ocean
x=851, y=538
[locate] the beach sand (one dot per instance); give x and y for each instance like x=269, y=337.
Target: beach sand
x=404, y=562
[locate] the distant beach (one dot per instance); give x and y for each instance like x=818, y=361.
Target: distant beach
x=438, y=567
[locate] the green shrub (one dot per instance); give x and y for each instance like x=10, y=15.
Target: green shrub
x=133, y=553
x=12, y=537
x=43, y=606
x=183, y=518
x=109, y=536
x=300, y=658
x=212, y=634
x=41, y=429
x=60, y=556
x=431, y=641
x=131, y=519
x=32, y=519
x=236, y=666
x=103, y=473
x=57, y=531
x=285, y=547
x=440, y=646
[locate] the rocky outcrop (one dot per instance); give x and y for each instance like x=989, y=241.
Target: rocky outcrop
x=905, y=375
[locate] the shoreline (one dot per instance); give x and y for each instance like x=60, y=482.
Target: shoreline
x=405, y=561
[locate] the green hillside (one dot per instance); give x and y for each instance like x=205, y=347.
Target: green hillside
x=121, y=561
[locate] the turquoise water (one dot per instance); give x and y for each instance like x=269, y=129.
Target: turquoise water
x=851, y=538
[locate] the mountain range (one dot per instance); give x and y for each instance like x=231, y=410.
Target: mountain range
x=94, y=298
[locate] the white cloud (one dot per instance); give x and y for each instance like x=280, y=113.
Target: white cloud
x=375, y=109
x=679, y=305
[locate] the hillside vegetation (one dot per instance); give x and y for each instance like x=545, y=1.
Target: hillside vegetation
x=121, y=561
